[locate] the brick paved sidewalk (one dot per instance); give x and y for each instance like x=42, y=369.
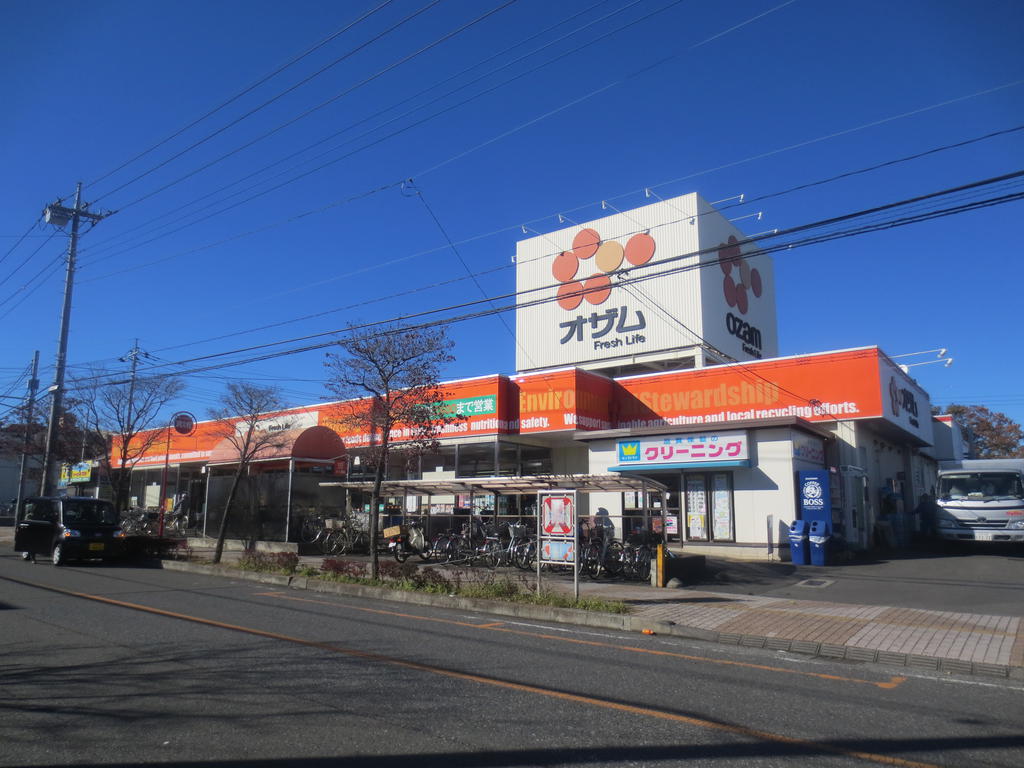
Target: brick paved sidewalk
x=955, y=642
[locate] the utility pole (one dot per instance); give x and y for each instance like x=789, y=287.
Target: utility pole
x=33, y=385
x=59, y=215
x=129, y=427
x=133, y=355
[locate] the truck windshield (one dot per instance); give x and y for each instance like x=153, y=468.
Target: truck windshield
x=980, y=485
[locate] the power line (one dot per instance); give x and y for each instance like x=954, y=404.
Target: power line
x=27, y=233
x=331, y=100
x=847, y=174
x=418, y=123
x=535, y=302
x=889, y=163
x=364, y=303
x=623, y=195
x=240, y=235
x=383, y=111
x=577, y=100
x=248, y=89
x=270, y=101
x=50, y=269
x=837, y=134
x=816, y=239
x=15, y=271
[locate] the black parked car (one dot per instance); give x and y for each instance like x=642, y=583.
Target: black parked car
x=68, y=528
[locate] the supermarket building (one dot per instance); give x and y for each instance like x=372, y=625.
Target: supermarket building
x=646, y=348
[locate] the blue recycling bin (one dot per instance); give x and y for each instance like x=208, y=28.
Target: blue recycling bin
x=798, y=542
x=819, y=538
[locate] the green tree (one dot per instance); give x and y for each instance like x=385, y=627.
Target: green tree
x=390, y=376
x=991, y=434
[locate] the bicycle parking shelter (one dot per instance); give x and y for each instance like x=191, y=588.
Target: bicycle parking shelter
x=498, y=486
x=538, y=485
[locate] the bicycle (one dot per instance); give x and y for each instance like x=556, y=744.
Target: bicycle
x=525, y=552
x=637, y=561
x=177, y=522
x=137, y=522
x=311, y=529
x=341, y=536
x=466, y=546
x=631, y=560
x=600, y=553
x=505, y=553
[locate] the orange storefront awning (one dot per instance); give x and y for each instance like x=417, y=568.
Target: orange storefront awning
x=310, y=443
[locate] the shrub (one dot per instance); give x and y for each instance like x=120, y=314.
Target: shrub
x=488, y=585
x=432, y=580
x=495, y=589
x=345, y=570
x=389, y=570
x=269, y=562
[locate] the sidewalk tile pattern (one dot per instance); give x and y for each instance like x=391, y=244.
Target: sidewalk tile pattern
x=910, y=633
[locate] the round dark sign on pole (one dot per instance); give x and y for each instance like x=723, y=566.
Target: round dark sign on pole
x=184, y=423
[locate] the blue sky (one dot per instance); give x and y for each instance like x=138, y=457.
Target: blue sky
x=564, y=105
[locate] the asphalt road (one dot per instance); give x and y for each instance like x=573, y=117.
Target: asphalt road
x=118, y=665
x=980, y=579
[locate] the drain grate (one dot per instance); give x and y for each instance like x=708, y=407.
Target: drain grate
x=816, y=583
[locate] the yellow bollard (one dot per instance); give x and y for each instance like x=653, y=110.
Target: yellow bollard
x=658, y=571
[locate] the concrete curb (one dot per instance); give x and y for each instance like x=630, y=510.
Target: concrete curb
x=855, y=653
x=620, y=622
x=623, y=622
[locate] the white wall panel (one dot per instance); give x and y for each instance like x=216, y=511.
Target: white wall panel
x=624, y=320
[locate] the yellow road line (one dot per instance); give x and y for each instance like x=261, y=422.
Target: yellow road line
x=891, y=683
x=736, y=730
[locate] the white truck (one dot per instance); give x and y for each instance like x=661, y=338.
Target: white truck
x=981, y=500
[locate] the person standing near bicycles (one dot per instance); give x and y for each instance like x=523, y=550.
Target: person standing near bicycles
x=180, y=512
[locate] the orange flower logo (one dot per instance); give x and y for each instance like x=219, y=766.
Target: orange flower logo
x=603, y=258
x=736, y=291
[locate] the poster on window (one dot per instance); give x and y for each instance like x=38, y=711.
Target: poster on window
x=696, y=508
x=722, y=508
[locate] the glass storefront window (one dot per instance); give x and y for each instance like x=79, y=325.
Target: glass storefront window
x=709, y=507
x=696, y=508
x=662, y=508
x=534, y=460
x=441, y=461
x=359, y=468
x=476, y=460
x=402, y=465
x=721, y=507
x=508, y=459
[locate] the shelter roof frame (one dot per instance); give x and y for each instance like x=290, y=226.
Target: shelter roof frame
x=508, y=486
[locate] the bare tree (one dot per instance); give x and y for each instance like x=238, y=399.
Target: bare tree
x=121, y=418
x=390, y=375
x=242, y=421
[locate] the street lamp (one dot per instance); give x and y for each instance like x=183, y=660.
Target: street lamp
x=948, y=361
x=940, y=352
